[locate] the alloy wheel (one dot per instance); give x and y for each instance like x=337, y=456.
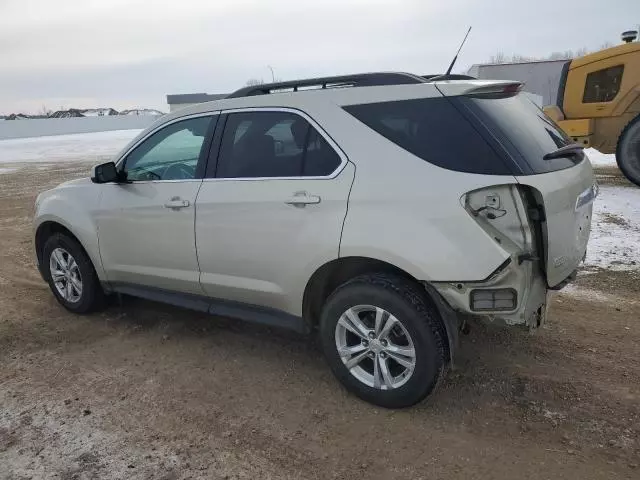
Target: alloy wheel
x=65, y=275
x=375, y=347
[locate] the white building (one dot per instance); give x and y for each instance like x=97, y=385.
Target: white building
x=187, y=99
x=540, y=77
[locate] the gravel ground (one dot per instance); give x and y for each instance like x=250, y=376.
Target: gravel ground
x=147, y=391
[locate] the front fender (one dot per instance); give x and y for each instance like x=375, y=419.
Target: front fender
x=72, y=208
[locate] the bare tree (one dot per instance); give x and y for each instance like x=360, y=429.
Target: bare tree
x=581, y=52
x=521, y=59
x=499, y=57
x=566, y=55
x=44, y=111
x=252, y=82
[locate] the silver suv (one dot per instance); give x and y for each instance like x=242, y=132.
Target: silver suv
x=379, y=210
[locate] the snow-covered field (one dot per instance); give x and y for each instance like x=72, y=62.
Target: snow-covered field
x=80, y=146
x=615, y=237
x=615, y=234
x=601, y=159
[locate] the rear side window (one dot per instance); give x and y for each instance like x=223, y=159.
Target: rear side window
x=603, y=85
x=273, y=144
x=523, y=129
x=434, y=130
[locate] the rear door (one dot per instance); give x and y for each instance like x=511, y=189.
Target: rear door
x=564, y=186
x=272, y=212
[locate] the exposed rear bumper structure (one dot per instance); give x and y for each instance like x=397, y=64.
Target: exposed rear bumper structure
x=515, y=295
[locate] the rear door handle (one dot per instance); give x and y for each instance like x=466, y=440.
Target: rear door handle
x=302, y=199
x=177, y=203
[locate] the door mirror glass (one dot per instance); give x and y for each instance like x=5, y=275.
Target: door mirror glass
x=104, y=173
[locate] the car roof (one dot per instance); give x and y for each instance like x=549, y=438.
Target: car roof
x=340, y=96
x=312, y=100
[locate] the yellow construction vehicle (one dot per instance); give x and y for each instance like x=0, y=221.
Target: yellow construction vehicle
x=598, y=103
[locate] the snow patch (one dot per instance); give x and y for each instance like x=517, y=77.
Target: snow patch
x=615, y=231
x=601, y=159
x=142, y=111
x=7, y=170
x=79, y=146
x=588, y=294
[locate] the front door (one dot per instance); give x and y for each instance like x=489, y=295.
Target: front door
x=146, y=226
x=274, y=211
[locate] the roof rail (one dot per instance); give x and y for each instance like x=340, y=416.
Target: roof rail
x=356, y=80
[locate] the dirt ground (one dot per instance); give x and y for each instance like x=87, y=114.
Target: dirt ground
x=147, y=391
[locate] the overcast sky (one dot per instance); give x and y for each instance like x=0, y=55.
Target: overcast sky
x=131, y=53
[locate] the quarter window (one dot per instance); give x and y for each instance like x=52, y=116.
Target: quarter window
x=273, y=144
x=603, y=85
x=171, y=153
x=434, y=130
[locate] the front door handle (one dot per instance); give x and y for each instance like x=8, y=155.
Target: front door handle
x=176, y=203
x=302, y=199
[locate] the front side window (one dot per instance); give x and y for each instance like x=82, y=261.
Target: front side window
x=603, y=85
x=273, y=144
x=172, y=153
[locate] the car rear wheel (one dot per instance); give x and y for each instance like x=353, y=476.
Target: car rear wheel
x=383, y=340
x=628, y=151
x=71, y=275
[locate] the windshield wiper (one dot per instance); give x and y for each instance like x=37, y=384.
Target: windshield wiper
x=566, y=151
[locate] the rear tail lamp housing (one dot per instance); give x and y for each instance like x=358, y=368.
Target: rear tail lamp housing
x=501, y=211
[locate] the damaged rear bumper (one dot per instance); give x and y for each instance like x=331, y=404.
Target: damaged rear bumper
x=519, y=292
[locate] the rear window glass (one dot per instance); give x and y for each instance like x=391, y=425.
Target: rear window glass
x=523, y=129
x=434, y=130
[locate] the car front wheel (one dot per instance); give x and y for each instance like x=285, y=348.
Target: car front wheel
x=383, y=340
x=70, y=274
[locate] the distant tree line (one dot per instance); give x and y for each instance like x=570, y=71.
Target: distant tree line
x=502, y=57
x=253, y=82
x=44, y=112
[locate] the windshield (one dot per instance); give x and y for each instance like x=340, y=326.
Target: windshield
x=524, y=130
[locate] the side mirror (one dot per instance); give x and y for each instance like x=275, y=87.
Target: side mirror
x=105, y=173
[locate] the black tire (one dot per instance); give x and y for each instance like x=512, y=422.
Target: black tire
x=92, y=297
x=628, y=151
x=408, y=303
